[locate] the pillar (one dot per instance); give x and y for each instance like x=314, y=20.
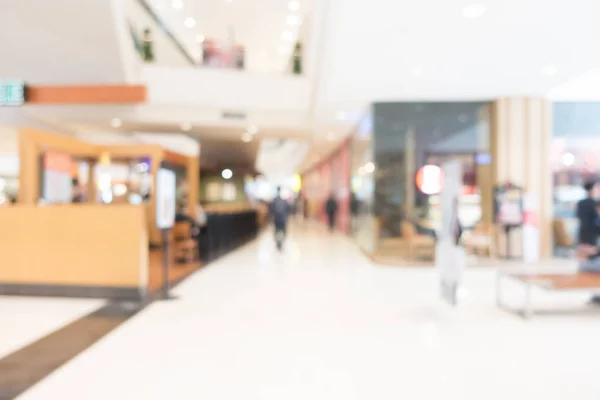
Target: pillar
x=521, y=131
x=29, y=170
x=92, y=192
x=193, y=184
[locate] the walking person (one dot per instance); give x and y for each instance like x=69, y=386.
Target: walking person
x=280, y=211
x=331, y=208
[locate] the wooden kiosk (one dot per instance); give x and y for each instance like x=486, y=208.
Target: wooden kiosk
x=87, y=249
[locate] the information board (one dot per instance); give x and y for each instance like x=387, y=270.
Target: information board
x=166, y=183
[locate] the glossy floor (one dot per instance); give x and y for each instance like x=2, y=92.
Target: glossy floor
x=321, y=322
x=25, y=320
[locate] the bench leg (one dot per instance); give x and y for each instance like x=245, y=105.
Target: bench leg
x=498, y=289
x=527, y=309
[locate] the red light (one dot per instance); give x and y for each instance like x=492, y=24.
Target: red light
x=430, y=179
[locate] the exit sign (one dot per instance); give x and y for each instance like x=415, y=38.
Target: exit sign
x=12, y=92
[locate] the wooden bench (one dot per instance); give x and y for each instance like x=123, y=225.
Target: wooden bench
x=587, y=282
x=185, y=247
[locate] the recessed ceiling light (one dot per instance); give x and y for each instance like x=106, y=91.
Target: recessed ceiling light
x=247, y=137
x=177, y=4
x=293, y=20
x=550, y=70
x=288, y=36
x=417, y=71
x=115, y=123
x=253, y=129
x=294, y=5
x=200, y=38
x=186, y=126
x=227, y=173
x=473, y=11
x=190, y=22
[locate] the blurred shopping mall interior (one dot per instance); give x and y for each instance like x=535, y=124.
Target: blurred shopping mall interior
x=299, y=199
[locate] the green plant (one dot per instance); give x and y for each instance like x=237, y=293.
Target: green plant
x=297, y=59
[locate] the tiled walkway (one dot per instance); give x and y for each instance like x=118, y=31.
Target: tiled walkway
x=321, y=322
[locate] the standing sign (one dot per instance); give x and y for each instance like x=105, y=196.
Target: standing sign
x=450, y=256
x=165, y=198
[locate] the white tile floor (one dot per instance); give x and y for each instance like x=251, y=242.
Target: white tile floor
x=24, y=320
x=321, y=322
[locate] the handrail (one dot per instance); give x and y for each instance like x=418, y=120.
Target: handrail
x=167, y=32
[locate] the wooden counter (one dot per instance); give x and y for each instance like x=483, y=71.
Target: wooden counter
x=81, y=248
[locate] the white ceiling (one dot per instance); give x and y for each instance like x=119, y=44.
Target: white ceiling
x=404, y=50
x=59, y=42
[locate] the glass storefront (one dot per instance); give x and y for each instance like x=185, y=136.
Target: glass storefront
x=575, y=157
x=410, y=142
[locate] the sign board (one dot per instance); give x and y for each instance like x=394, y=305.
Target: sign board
x=508, y=200
x=166, y=183
x=12, y=93
x=450, y=257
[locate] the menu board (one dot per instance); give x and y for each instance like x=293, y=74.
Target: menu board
x=57, y=178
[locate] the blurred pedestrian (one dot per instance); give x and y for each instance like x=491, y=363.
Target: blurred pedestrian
x=331, y=208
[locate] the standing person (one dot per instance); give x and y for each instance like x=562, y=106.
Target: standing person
x=588, y=217
x=331, y=208
x=280, y=211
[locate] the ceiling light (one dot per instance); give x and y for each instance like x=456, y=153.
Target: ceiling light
x=473, y=11
x=177, y=4
x=200, y=38
x=294, y=5
x=417, y=71
x=288, y=36
x=341, y=115
x=190, y=22
x=568, y=159
x=550, y=70
x=293, y=20
x=115, y=123
x=247, y=137
x=369, y=167
x=186, y=126
x=253, y=129
x=227, y=174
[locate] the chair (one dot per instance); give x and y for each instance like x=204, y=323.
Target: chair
x=418, y=245
x=481, y=240
x=185, y=247
x=562, y=239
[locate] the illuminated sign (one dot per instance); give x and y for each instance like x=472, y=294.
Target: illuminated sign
x=12, y=93
x=430, y=179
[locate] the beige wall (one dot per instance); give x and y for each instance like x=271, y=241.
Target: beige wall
x=521, y=130
x=82, y=245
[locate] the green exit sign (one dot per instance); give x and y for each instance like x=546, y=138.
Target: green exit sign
x=12, y=92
